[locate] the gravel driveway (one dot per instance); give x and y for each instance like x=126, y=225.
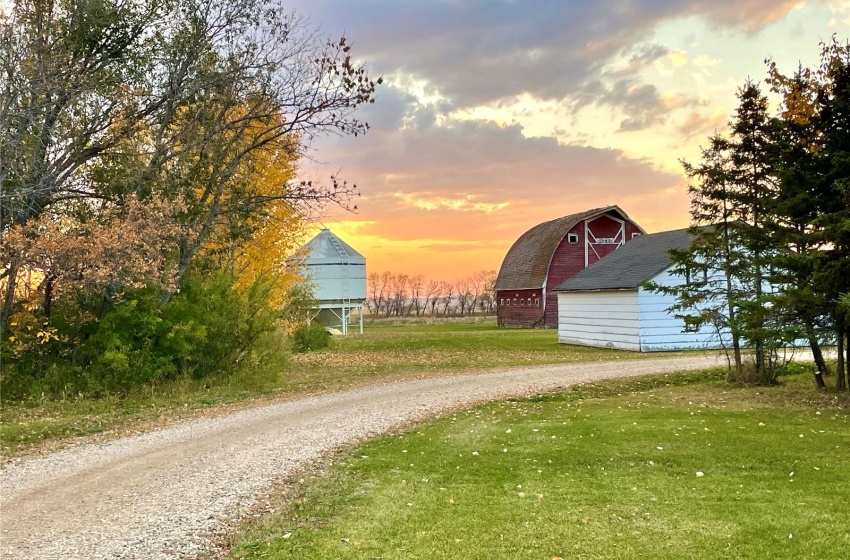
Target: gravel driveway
x=159, y=494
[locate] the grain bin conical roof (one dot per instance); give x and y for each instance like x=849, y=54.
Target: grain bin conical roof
x=327, y=248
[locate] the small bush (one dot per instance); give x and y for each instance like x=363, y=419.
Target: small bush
x=310, y=337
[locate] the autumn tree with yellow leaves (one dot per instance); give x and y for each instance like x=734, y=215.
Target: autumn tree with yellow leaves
x=148, y=174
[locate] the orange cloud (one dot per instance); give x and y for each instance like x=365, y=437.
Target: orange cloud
x=462, y=204
x=460, y=196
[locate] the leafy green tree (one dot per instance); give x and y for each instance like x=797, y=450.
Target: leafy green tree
x=70, y=70
x=109, y=99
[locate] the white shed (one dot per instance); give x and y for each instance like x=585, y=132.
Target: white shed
x=338, y=274
x=605, y=305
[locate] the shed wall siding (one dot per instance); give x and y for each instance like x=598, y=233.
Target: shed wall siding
x=609, y=319
x=660, y=330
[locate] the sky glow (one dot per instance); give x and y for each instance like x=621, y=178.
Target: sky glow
x=499, y=115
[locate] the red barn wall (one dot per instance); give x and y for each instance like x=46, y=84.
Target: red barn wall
x=568, y=259
x=519, y=308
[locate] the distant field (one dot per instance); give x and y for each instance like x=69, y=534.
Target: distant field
x=381, y=353
x=439, y=348
x=674, y=467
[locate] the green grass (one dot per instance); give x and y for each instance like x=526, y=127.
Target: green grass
x=382, y=353
x=601, y=471
x=435, y=349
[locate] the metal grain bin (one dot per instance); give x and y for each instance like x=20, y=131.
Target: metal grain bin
x=338, y=274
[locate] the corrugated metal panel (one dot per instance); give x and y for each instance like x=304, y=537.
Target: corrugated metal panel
x=338, y=282
x=337, y=271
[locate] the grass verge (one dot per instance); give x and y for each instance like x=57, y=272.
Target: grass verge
x=667, y=467
x=383, y=353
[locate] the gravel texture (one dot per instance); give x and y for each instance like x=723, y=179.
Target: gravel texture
x=162, y=494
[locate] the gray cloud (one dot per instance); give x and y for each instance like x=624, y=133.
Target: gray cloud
x=641, y=103
x=479, y=51
x=696, y=124
x=388, y=112
x=641, y=56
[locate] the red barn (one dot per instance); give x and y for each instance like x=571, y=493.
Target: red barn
x=548, y=254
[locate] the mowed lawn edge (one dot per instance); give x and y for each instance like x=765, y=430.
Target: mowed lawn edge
x=382, y=354
x=674, y=466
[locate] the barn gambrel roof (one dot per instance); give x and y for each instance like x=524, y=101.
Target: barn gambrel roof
x=639, y=260
x=526, y=265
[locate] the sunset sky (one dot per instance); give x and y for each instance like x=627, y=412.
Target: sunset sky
x=498, y=115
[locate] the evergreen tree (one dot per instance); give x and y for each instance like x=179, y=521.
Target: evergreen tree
x=712, y=300
x=812, y=212
x=753, y=189
x=731, y=192
x=833, y=276
x=802, y=196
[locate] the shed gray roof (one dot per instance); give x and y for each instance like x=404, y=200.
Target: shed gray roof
x=327, y=248
x=526, y=264
x=637, y=261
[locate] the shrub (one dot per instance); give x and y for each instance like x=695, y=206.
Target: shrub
x=310, y=337
x=208, y=328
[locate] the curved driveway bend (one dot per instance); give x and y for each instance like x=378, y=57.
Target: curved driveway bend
x=156, y=495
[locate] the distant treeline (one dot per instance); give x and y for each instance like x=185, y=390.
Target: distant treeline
x=404, y=295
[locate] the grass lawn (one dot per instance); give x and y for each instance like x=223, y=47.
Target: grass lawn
x=381, y=353
x=436, y=349
x=672, y=467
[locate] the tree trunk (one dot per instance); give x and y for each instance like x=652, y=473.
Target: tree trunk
x=106, y=303
x=847, y=364
x=761, y=365
x=817, y=354
x=727, y=273
x=839, y=383
x=9, y=297
x=739, y=366
x=49, y=282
